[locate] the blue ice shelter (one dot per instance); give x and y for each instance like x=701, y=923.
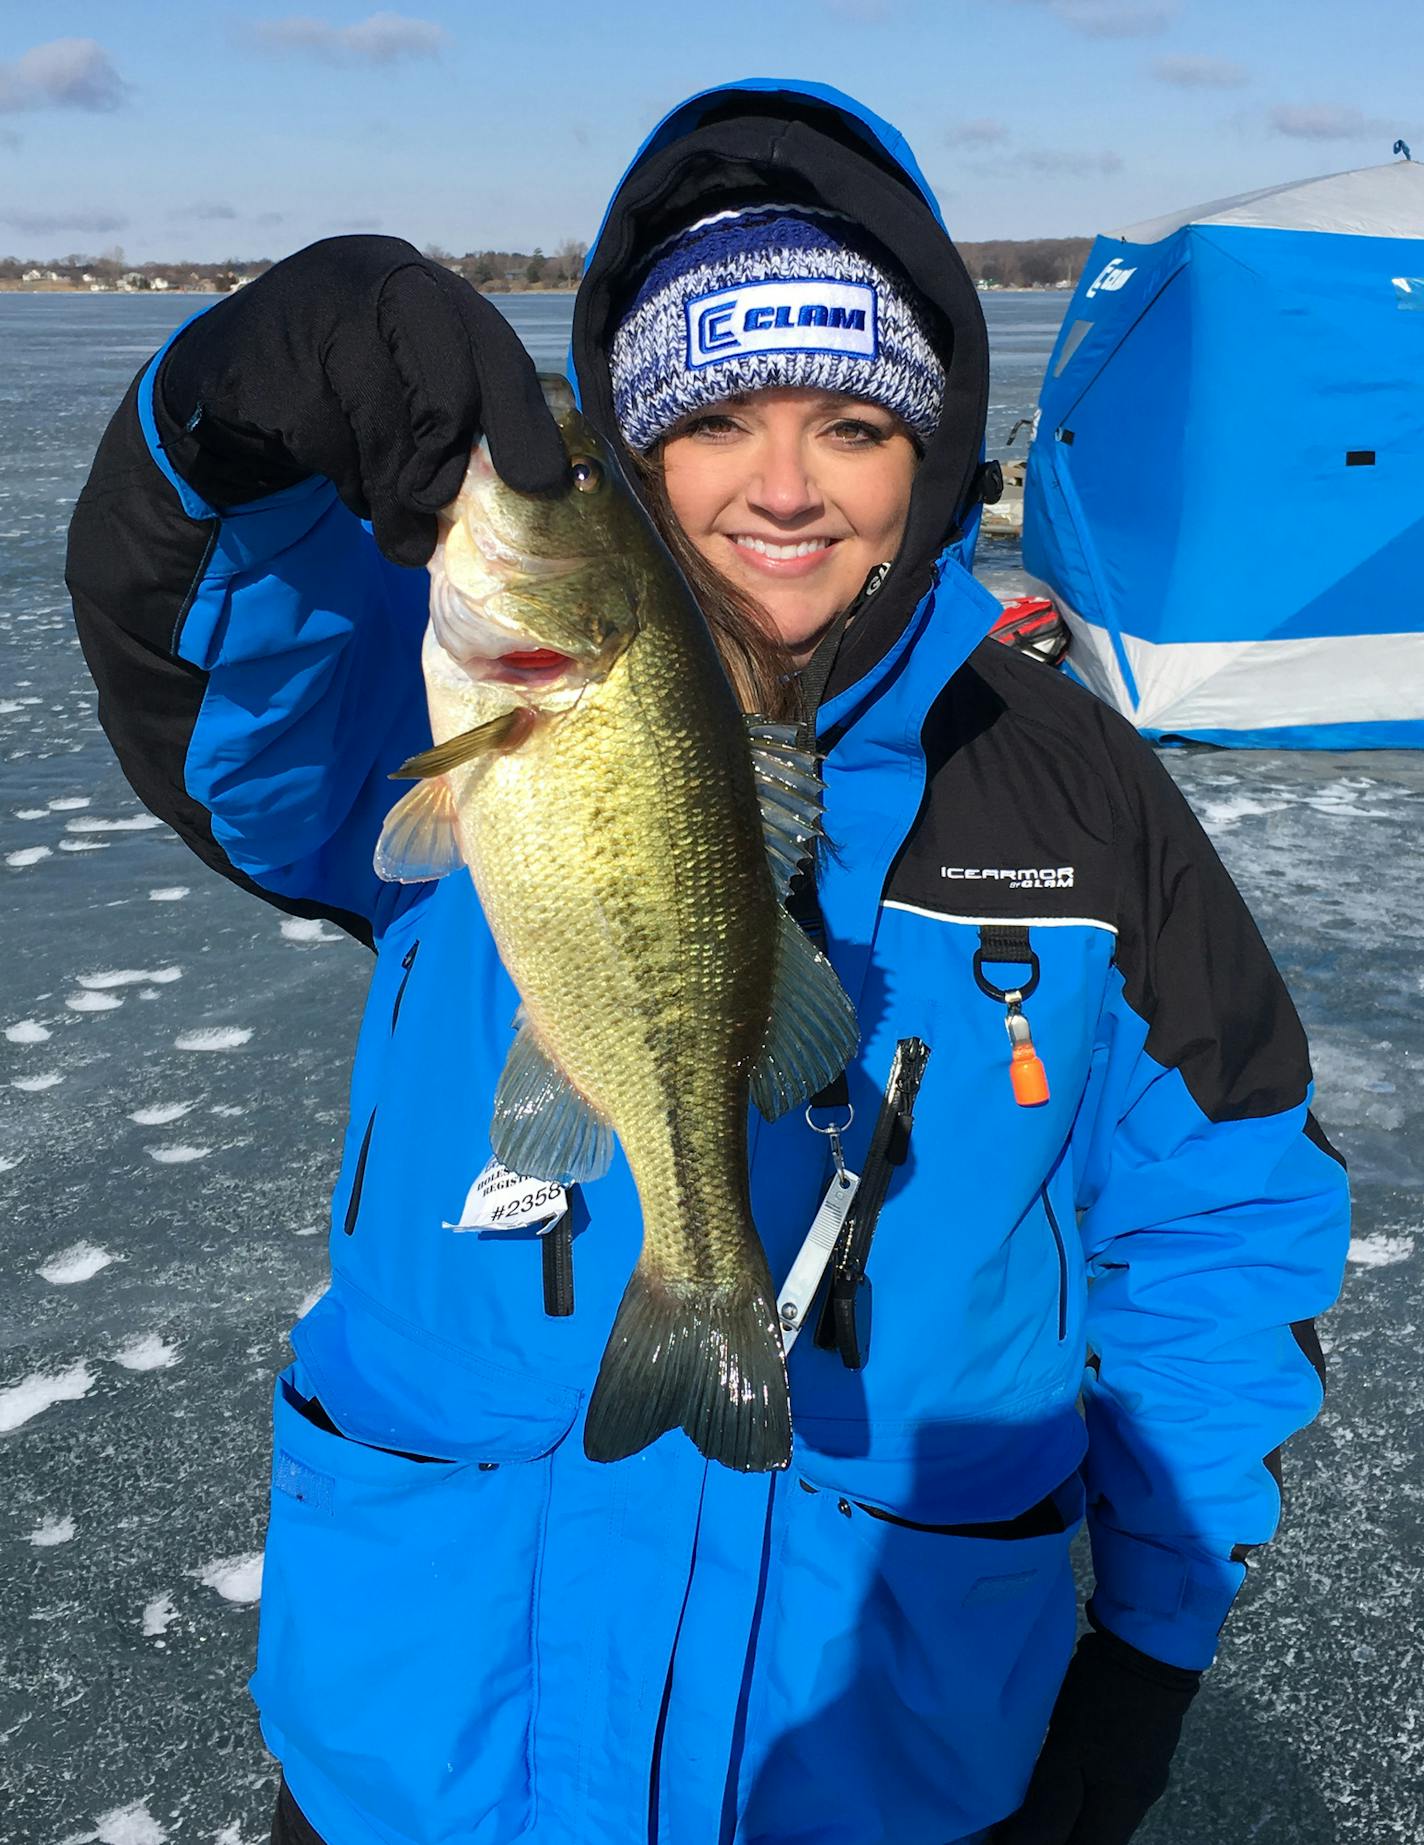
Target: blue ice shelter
x=1225, y=493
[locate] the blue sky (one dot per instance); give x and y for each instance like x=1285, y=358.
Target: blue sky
x=207, y=131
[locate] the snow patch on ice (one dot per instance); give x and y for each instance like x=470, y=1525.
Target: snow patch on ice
x=33, y=1084
x=158, y=1616
x=160, y=1114
x=128, y=977
x=176, y=1156
x=131, y=1825
x=7, y=1165
x=27, y=855
x=69, y=803
x=32, y=813
x=226, y=1109
x=212, y=1038
x=146, y=1352
x=90, y=823
x=307, y=929
x=27, y=1031
x=80, y=1262
x=1222, y=816
x=169, y=893
x=311, y=1300
x=21, y=1402
x=93, y=1002
x=82, y=845
x=236, y=1579
x=1379, y=1251
x=51, y=1531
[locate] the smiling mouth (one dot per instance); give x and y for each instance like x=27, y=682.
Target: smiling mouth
x=782, y=553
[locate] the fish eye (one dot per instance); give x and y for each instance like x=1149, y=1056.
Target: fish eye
x=587, y=475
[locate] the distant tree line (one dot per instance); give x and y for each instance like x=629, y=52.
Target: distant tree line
x=1041, y=262
x=1038, y=262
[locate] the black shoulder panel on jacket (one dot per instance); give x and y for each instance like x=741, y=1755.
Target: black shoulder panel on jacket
x=1041, y=801
x=135, y=561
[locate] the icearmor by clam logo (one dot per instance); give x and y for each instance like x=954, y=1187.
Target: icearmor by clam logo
x=1110, y=278
x=800, y=315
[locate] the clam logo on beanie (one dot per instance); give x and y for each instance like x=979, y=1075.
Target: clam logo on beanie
x=791, y=316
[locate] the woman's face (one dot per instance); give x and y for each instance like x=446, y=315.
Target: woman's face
x=794, y=496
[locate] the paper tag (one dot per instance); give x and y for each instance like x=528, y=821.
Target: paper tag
x=794, y=1301
x=503, y=1200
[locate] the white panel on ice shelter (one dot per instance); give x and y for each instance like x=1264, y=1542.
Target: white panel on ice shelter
x=1385, y=201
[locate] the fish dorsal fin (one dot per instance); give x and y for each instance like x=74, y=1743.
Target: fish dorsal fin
x=420, y=839
x=788, y=782
x=812, y=1032
x=543, y=1128
x=506, y=732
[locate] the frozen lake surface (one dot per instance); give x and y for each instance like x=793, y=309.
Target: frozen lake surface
x=173, y=1070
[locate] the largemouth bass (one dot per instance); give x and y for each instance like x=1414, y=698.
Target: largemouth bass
x=630, y=843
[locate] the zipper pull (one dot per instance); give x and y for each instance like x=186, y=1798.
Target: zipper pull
x=1026, y=1071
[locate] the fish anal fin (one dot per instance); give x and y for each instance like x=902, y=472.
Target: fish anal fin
x=506, y=732
x=421, y=836
x=543, y=1128
x=812, y=1032
x=703, y=1358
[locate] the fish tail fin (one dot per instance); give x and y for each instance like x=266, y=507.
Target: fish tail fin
x=697, y=1356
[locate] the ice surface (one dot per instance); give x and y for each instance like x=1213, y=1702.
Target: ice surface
x=146, y=1352
x=20, y=1403
x=158, y=1616
x=51, y=1531
x=161, y=1114
x=93, y=1002
x=80, y=1262
x=27, y=1031
x=236, y=1579
x=177, y=1156
x=213, y=1038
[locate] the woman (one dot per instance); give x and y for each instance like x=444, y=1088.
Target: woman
x=469, y=1631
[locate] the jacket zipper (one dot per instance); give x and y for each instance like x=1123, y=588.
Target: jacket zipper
x=407, y=962
x=353, y=1203
x=1062, y=1265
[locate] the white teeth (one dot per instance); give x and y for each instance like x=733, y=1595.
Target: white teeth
x=804, y=549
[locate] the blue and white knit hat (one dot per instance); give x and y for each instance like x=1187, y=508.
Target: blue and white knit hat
x=775, y=296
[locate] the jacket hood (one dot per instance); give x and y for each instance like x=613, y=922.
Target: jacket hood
x=796, y=143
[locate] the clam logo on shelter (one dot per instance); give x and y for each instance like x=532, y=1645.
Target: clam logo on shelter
x=1111, y=278
x=800, y=315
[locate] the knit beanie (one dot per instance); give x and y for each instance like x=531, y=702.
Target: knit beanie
x=772, y=297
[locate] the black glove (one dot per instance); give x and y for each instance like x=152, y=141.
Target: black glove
x=1111, y=1739
x=360, y=359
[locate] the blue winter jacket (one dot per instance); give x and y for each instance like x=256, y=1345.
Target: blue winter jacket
x=470, y=1633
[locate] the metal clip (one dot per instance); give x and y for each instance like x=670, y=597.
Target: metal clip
x=833, y=1134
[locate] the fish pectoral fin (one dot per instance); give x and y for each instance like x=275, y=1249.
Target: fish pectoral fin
x=789, y=787
x=812, y=1032
x=420, y=839
x=543, y=1128
x=506, y=732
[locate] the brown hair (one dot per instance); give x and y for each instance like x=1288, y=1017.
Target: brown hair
x=758, y=664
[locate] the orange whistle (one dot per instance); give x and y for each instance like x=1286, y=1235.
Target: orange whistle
x=1028, y=1076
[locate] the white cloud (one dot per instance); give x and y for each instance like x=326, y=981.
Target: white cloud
x=1077, y=163
x=1111, y=18
x=980, y=131
x=1201, y=73
x=38, y=222
x=384, y=38
x=1326, y=122
x=66, y=73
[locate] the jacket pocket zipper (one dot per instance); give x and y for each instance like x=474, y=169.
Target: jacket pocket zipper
x=353, y=1203
x=1058, y=1244
x=407, y=962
